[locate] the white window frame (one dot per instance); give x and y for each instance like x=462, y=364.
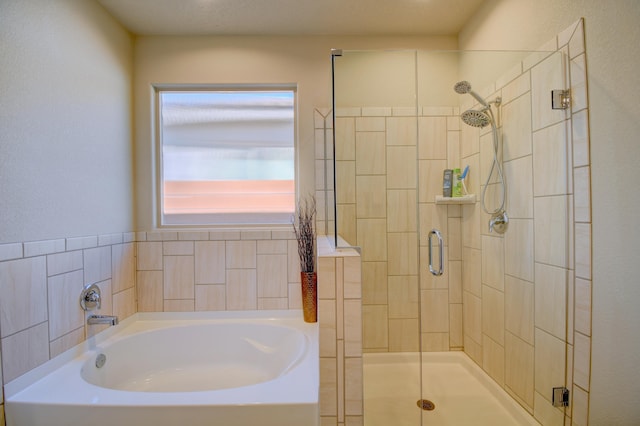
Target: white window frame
x=212, y=220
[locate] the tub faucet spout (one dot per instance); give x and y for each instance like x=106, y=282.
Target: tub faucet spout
x=102, y=319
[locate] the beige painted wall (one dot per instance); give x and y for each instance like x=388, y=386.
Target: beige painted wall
x=612, y=37
x=65, y=145
x=301, y=60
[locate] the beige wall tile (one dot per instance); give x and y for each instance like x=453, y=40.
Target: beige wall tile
x=550, y=161
x=64, y=262
x=352, y=327
x=372, y=238
x=583, y=250
x=546, y=413
x=352, y=278
x=472, y=317
x=582, y=361
x=551, y=230
x=545, y=77
x=69, y=340
x=124, y=304
x=327, y=327
x=583, y=306
x=516, y=128
x=353, y=388
x=403, y=296
x=551, y=299
x=272, y=275
x=346, y=182
x=430, y=175
x=472, y=271
x=435, y=342
x=580, y=138
x=22, y=286
x=97, y=264
x=432, y=137
x=24, y=351
x=580, y=407
x=295, y=296
x=455, y=281
x=518, y=249
x=272, y=303
x=370, y=124
x=347, y=223
x=582, y=194
x=210, y=297
x=370, y=153
x=150, y=289
x=518, y=173
x=435, y=311
x=241, y=289
x=178, y=277
x=469, y=141
x=149, y=256
x=123, y=268
x=401, y=167
x=493, y=314
x=346, y=136
x=272, y=246
x=519, y=308
x=455, y=325
x=549, y=363
x=210, y=261
x=432, y=216
x=519, y=368
x=401, y=210
x=404, y=335
x=240, y=254
x=10, y=251
x=375, y=333
x=453, y=148
x=401, y=131
x=374, y=283
x=181, y=305
x=371, y=197
x=493, y=359
x=177, y=248
x=402, y=253
x=326, y=278
x=328, y=387
x=453, y=239
x=578, y=83
x=517, y=87
x=493, y=262
x=293, y=262
x=65, y=313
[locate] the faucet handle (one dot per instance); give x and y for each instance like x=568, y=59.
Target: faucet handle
x=90, y=297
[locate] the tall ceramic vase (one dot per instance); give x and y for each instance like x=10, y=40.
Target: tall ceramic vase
x=309, y=282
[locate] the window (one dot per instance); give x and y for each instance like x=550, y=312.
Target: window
x=226, y=156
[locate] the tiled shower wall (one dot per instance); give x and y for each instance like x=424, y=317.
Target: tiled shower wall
x=383, y=154
x=527, y=293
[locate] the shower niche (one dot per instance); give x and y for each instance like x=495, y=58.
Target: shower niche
x=400, y=118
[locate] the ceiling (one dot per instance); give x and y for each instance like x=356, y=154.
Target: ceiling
x=293, y=17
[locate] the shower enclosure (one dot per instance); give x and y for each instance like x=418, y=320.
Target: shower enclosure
x=502, y=297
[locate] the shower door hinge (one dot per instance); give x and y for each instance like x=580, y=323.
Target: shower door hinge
x=560, y=99
x=560, y=397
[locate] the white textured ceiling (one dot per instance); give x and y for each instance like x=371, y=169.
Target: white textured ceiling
x=292, y=17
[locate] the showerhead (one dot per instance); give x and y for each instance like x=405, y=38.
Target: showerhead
x=464, y=87
x=475, y=118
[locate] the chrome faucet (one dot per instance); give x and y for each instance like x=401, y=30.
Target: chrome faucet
x=102, y=319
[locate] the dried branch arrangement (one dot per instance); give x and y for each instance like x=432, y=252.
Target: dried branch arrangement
x=303, y=226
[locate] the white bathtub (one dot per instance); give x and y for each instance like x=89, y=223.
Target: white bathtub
x=189, y=369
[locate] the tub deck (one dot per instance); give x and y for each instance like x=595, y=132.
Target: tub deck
x=55, y=394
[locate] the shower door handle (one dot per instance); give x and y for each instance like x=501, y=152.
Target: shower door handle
x=440, y=270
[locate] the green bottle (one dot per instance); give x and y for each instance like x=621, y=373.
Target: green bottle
x=456, y=190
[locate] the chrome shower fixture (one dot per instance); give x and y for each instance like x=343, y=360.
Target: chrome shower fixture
x=464, y=87
x=475, y=118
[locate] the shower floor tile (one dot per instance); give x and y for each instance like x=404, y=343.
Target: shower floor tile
x=463, y=395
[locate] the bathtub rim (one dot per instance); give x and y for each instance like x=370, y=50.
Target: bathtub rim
x=124, y=329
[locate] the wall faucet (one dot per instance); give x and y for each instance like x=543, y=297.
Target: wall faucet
x=102, y=319
x=499, y=222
